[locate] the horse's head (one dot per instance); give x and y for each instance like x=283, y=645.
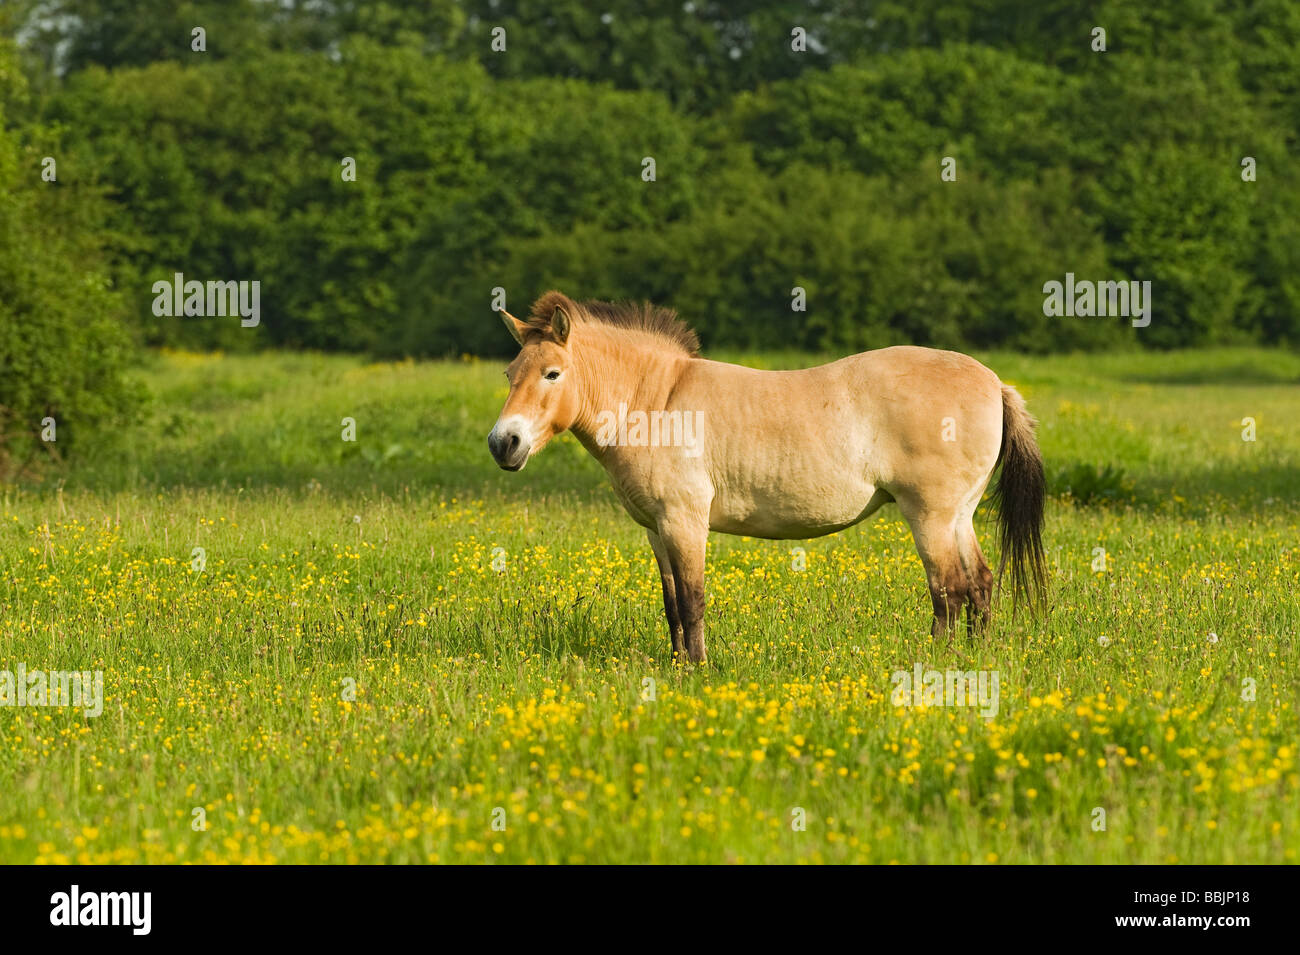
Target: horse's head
x=543, y=398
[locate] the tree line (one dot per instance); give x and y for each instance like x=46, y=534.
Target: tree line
x=827, y=177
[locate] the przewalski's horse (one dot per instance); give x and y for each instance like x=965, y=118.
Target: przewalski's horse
x=694, y=446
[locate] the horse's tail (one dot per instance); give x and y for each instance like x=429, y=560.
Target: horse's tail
x=1020, y=494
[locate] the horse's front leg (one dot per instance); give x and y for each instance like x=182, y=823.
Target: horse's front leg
x=670, y=595
x=685, y=539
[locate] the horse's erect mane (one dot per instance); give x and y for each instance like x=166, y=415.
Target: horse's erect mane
x=641, y=316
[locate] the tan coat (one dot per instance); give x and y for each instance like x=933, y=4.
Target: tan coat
x=693, y=446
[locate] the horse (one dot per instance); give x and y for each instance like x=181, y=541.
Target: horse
x=693, y=446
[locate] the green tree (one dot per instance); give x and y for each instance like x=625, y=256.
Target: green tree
x=64, y=351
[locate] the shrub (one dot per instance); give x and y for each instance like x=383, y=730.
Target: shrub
x=64, y=350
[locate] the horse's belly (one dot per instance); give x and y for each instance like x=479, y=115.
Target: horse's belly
x=792, y=515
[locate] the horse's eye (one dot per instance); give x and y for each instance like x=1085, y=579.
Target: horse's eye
x=553, y=374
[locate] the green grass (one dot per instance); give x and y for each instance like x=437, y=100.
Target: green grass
x=500, y=631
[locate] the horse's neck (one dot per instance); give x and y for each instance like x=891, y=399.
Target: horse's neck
x=622, y=368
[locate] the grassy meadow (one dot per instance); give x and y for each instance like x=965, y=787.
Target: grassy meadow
x=388, y=650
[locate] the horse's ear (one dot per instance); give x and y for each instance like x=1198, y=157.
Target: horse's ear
x=560, y=325
x=514, y=326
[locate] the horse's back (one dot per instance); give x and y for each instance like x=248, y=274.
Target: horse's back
x=797, y=453
x=938, y=417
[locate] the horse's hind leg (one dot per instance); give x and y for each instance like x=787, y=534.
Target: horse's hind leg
x=979, y=577
x=670, y=595
x=938, y=540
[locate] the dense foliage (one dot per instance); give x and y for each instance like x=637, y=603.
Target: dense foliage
x=63, y=345
x=774, y=169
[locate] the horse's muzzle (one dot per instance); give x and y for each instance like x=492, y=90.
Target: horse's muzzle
x=508, y=449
